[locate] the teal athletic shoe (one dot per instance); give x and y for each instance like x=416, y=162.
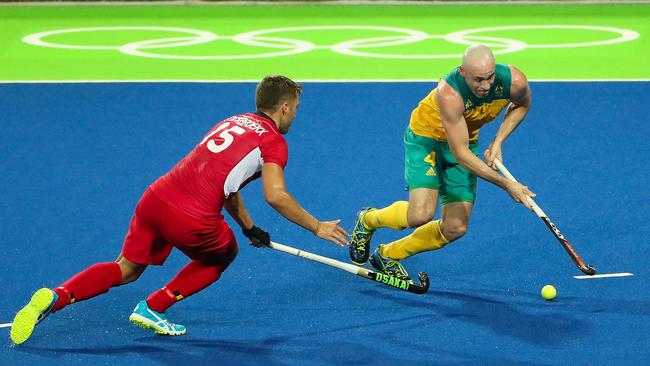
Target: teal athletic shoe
x=145, y=317
x=360, y=239
x=389, y=266
x=37, y=309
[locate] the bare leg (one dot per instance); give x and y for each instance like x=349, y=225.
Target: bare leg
x=422, y=206
x=455, y=217
x=130, y=271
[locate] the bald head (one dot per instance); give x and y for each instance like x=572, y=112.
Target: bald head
x=478, y=57
x=478, y=69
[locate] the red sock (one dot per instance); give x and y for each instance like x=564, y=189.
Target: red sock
x=94, y=280
x=191, y=279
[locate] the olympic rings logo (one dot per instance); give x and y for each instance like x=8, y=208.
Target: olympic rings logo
x=281, y=46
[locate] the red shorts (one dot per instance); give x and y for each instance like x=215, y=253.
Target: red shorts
x=157, y=227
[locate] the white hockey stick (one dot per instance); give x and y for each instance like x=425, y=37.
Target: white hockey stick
x=359, y=271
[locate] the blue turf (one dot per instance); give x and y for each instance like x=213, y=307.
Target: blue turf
x=76, y=158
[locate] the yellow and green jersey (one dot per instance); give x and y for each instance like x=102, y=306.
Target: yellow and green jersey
x=425, y=119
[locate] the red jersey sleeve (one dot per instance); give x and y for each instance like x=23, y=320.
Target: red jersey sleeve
x=275, y=150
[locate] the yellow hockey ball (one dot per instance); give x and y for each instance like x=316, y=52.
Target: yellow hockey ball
x=549, y=292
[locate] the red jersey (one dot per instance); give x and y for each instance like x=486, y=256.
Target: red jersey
x=230, y=156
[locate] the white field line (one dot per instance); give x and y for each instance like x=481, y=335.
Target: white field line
x=605, y=275
x=5, y=325
x=302, y=81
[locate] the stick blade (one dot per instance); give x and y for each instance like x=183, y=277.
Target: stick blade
x=588, y=269
x=423, y=287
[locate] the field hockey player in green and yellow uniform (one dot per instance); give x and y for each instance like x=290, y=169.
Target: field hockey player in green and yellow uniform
x=442, y=160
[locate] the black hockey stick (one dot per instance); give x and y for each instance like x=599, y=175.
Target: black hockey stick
x=587, y=269
x=360, y=271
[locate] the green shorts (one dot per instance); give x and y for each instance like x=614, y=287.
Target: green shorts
x=429, y=163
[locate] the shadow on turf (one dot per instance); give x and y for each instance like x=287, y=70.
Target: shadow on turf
x=346, y=351
x=527, y=322
x=288, y=349
x=533, y=326
x=93, y=350
x=306, y=347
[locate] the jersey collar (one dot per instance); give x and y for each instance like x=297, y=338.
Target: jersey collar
x=265, y=116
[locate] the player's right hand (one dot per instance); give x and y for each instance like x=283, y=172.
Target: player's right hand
x=493, y=152
x=258, y=237
x=520, y=193
x=331, y=231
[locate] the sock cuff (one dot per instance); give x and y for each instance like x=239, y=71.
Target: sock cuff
x=401, y=209
x=162, y=299
x=176, y=295
x=63, y=300
x=437, y=230
x=394, y=216
x=116, y=273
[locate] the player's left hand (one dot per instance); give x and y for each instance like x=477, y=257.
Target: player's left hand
x=258, y=237
x=492, y=152
x=333, y=232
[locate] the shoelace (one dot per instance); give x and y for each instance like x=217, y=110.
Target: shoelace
x=395, y=269
x=361, y=239
x=169, y=325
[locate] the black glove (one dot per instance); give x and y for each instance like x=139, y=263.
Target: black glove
x=258, y=237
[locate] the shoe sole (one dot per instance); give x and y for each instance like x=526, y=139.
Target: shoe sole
x=26, y=319
x=145, y=323
x=374, y=264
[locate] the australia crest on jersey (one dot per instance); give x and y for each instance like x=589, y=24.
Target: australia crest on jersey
x=498, y=91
